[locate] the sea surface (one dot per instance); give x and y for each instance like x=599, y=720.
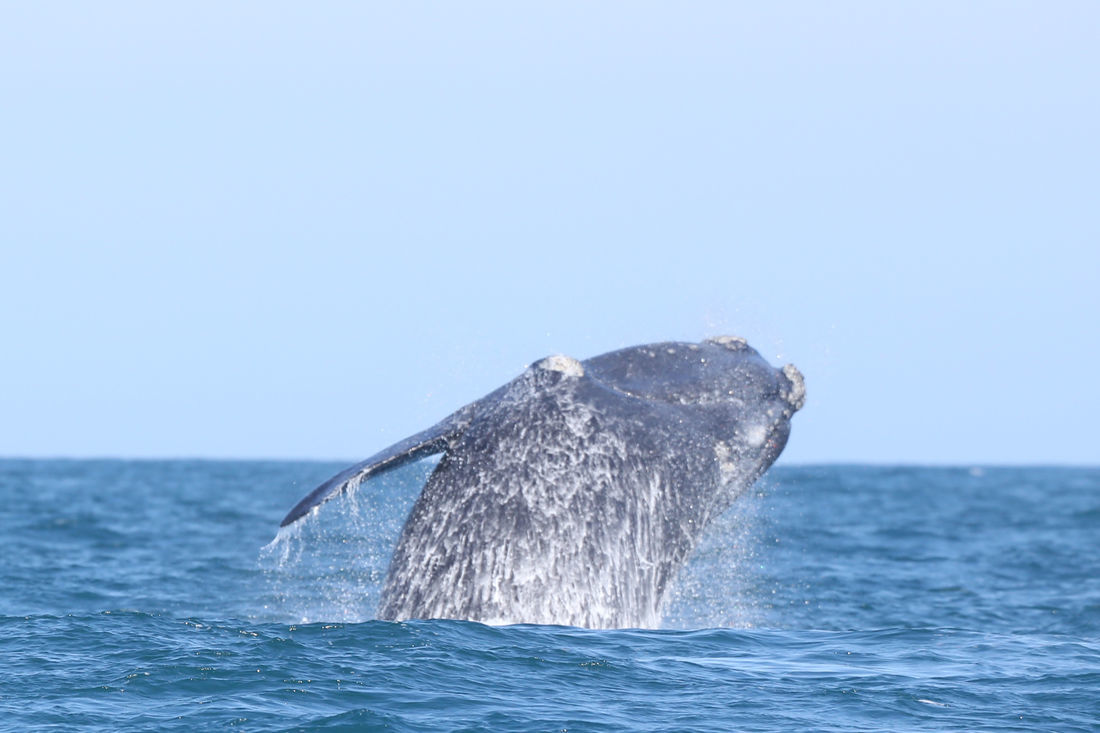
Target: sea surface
x=155, y=595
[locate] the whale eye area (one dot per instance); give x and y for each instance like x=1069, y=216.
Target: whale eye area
x=687, y=374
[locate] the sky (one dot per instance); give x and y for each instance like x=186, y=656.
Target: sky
x=307, y=230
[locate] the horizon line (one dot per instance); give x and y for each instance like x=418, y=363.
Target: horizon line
x=907, y=463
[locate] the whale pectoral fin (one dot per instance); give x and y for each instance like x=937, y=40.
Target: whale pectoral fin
x=435, y=439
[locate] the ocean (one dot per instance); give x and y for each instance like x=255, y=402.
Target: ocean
x=157, y=595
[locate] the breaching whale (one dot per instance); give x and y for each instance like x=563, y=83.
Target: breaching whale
x=573, y=494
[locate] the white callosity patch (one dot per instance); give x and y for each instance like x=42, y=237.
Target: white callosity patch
x=739, y=464
x=796, y=395
x=755, y=435
x=734, y=343
x=727, y=469
x=567, y=365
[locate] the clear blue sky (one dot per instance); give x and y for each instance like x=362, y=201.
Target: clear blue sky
x=310, y=229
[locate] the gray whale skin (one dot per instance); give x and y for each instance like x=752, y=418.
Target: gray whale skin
x=573, y=494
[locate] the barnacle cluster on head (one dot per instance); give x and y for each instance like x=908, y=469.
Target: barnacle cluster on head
x=795, y=392
x=567, y=365
x=733, y=343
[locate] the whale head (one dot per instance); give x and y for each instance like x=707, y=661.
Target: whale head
x=745, y=402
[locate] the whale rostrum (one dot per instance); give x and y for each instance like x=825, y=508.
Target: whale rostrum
x=574, y=493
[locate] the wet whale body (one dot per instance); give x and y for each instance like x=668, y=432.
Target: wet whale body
x=573, y=494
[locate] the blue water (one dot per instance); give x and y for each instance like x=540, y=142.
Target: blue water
x=140, y=595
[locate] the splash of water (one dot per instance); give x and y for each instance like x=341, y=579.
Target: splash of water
x=331, y=565
x=717, y=586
